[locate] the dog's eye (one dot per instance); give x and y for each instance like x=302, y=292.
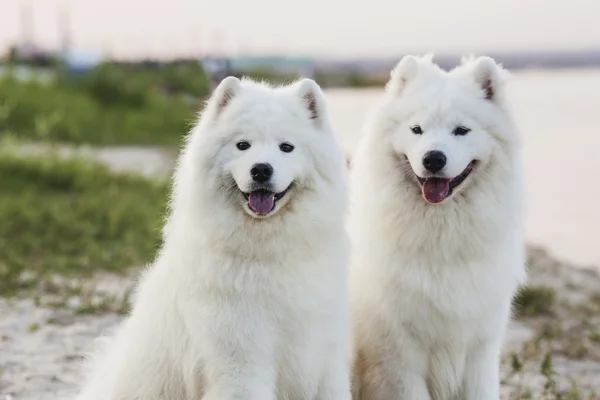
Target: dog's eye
x=460, y=131
x=242, y=145
x=416, y=130
x=286, y=147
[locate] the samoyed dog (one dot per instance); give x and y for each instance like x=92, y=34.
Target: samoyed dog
x=437, y=215
x=247, y=298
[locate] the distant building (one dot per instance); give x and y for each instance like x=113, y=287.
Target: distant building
x=28, y=62
x=30, y=54
x=217, y=69
x=78, y=61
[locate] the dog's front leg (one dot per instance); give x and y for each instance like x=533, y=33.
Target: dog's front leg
x=482, y=376
x=335, y=383
x=396, y=373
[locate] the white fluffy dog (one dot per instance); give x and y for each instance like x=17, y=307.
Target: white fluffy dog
x=437, y=226
x=248, y=296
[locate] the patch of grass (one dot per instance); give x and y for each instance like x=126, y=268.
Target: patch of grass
x=92, y=303
x=73, y=217
x=34, y=327
x=111, y=105
x=553, y=388
x=533, y=301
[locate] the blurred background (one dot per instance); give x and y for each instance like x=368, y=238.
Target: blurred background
x=96, y=95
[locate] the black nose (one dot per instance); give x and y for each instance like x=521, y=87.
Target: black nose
x=261, y=172
x=434, y=161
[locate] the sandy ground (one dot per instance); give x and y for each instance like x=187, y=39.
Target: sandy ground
x=43, y=340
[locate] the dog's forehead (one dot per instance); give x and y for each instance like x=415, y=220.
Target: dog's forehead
x=264, y=114
x=444, y=106
x=267, y=124
x=264, y=104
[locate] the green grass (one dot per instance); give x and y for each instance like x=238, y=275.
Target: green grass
x=533, y=301
x=73, y=217
x=111, y=105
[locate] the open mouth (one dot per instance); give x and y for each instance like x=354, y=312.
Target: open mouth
x=263, y=201
x=436, y=189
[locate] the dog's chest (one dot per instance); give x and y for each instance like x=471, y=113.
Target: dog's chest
x=309, y=323
x=460, y=298
x=302, y=304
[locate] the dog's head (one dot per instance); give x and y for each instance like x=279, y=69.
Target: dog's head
x=266, y=145
x=445, y=125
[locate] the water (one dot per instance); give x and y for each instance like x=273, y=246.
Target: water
x=559, y=115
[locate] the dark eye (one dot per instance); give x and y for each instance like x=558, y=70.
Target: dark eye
x=417, y=130
x=460, y=131
x=286, y=147
x=242, y=145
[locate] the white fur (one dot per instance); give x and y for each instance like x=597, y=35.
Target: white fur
x=432, y=284
x=238, y=306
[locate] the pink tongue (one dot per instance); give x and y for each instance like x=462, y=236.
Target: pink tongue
x=436, y=190
x=261, y=202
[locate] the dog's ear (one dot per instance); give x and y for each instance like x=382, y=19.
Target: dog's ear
x=488, y=75
x=313, y=99
x=223, y=94
x=402, y=73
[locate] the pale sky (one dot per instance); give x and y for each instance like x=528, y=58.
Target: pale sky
x=313, y=27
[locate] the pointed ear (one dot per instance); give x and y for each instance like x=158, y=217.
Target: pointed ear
x=313, y=99
x=488, y=75
x=402, y=73
x=224, y=93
